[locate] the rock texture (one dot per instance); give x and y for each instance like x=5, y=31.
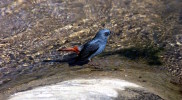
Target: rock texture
x=88, y=89
x=31, y=31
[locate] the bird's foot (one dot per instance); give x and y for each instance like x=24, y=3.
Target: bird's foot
x=91, y=63
x=95, y=65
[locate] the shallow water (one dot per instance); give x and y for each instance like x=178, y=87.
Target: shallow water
x=32, y=30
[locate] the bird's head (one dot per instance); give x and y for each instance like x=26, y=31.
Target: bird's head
x=103, y=34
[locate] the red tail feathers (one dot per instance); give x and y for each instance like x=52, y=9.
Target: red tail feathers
x=74, y=49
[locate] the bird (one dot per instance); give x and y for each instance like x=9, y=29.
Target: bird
x=91, y=48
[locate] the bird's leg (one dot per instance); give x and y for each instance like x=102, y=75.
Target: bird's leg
x=74, y=49
x=95, y=65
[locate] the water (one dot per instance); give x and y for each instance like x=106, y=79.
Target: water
x=32, y=31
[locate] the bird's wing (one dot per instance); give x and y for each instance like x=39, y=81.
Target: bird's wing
x=88, y=49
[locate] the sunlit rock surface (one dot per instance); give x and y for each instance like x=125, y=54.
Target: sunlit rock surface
x=87, y=89
x=145, y=32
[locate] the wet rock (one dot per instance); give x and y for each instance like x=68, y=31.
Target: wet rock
x=29, y=31
x=144, y=81
x=4, y=81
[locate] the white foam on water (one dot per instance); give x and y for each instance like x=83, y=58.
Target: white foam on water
x=77, y=89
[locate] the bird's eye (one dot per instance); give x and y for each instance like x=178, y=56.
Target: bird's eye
x=106, y=33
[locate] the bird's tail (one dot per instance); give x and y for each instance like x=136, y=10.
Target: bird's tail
x=74, y=49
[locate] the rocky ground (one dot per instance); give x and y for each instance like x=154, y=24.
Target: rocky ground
x=147, y=36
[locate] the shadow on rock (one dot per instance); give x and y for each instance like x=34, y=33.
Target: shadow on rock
x=71, y=59
x=150, y=54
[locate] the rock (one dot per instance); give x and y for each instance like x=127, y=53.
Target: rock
x=88, y=89
x=29, y=29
